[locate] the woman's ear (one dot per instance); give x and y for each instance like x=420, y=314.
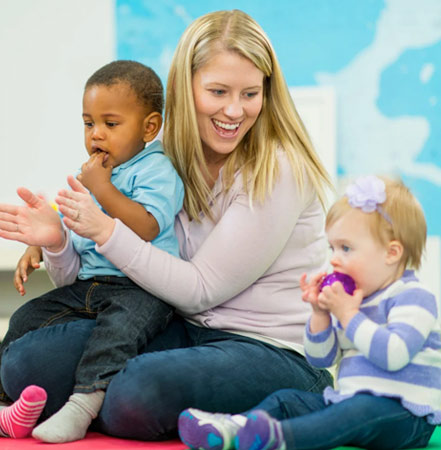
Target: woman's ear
x=152, y=125
x=395, y=251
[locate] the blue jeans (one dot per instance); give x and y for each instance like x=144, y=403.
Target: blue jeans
x=183, y=366
x=362, y=421
x=127, y=317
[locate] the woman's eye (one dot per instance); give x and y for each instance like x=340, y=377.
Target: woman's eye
x=345, y=248
x=88, y=124
x=111, y=124
x=250, y=94
x=217, y=91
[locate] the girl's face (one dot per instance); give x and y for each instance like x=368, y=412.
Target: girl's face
x=228, y=96
x=357, y=253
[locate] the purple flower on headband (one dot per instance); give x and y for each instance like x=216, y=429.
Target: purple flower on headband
x=366, y=193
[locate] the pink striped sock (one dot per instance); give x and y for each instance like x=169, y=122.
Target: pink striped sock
x=18, y=420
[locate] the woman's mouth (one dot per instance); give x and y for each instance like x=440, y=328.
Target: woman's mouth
x=225, y=129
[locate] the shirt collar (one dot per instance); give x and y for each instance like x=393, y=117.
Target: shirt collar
x=153, y=147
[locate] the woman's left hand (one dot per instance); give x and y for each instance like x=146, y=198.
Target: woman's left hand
x=82, y=215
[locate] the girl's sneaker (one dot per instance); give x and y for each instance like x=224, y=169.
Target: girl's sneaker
x=209, y=431
x=261, y=432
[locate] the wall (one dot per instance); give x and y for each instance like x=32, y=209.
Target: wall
x=380, y=58
x=48, y=49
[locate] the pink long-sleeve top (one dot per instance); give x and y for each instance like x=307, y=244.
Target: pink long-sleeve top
x=239, y=272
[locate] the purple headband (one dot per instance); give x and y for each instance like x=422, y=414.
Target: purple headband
x=368, y=193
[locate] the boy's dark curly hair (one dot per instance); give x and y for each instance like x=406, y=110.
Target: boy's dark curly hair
x=143, y=80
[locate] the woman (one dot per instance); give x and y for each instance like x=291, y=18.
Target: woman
x=252, y=223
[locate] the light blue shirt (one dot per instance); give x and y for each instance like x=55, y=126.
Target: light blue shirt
x=149, y=179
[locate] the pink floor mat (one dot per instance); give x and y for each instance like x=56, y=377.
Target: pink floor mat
x=93, y=441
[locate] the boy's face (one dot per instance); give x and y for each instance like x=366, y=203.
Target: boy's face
x=357, y=253
x=113, y=122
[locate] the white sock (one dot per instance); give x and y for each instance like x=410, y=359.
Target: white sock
x=71, y=422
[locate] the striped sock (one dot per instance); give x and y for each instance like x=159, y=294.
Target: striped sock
x=18, y=420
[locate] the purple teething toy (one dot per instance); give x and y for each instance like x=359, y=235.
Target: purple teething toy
x=347, y=282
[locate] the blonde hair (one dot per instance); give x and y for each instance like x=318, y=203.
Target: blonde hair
x=401, y=219
x=278, y=124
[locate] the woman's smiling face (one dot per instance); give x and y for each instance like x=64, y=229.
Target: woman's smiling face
x=228, y=97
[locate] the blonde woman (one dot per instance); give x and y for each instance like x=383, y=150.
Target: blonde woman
x=252, y=223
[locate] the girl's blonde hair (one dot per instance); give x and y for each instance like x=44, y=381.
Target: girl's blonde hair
x=278, y=124
x=401, y=219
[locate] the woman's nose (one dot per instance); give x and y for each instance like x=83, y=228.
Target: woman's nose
x=233, y=108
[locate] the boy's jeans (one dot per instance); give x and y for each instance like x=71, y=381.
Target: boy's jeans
x=183, y=366
x=127, y=318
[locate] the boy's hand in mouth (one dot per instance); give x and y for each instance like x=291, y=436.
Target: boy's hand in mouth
x=95, y=173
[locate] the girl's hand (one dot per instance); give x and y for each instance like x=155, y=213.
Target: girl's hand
x=320, y=317
x=29, y=261
x=342, y=305
x=311, y=290
x=82, y=215
x=35, y=223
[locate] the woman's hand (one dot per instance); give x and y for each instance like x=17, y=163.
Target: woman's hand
x=82, y=215
x=29, y=261
x=35, y=223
